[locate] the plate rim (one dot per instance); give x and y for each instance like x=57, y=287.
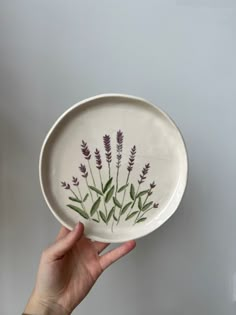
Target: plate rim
x=92, y=98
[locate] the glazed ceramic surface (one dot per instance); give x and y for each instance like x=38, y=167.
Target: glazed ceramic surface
x=116, y=163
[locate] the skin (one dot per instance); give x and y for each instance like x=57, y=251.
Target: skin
x=68, y=270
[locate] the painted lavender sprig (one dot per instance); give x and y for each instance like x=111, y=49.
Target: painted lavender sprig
x=68, y=187
x=85, y=150
x=119, y=148
x=99, y=167
x=152, y=186
x=129, y=169
x=145, y=204
x=107, y=146
x=99, y=164
x=84, y=172
x=142, y=218
x=131, y=159
x=87, y=155
x=98, y=159
x=142, y=176
x=76, y=183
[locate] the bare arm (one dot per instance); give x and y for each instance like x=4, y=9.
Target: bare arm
x=68, y=270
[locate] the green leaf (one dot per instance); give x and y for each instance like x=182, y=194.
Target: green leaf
x=140, y=203
x=80, y=211
x=123, y=188
x=142, y=193
x=85, y=198
x=116, y=202
x=96, y=220
x=107, y=185
x=96, y=190
x=110, y=214
x=75, y=199
x=147, y=206
x=114, y=217
x=102, y=215
x=95, y=206
x=131, y=215
x=125, y=208
x=109, y=194
x=141, y=220
x=132, y=192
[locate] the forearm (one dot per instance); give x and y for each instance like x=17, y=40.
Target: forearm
x=37, y=307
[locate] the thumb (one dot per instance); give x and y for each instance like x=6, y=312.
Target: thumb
x=63, y=245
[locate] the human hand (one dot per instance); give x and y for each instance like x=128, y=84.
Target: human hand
x=67, y=271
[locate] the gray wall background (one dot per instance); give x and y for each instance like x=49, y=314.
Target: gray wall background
x=179, y=55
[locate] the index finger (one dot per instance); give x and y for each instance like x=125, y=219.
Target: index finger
x=109, y=258
x=62, y=233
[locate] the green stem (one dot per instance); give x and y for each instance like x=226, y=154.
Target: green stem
x=134, y=201
x=148, y=194
x=89, y=189
x=74, y=194
x=90, y=169
x=143, y=214
x=81, y=199
x=117, y=176
x=109, y=168
x=146, y=198
x=92, y=197
x=123, y=199
x=100, y=175
x=103, y=195
x=135, y=196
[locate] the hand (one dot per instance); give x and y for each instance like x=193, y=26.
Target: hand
x=68, y=269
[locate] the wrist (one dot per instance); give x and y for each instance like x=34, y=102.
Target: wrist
x=37, y=306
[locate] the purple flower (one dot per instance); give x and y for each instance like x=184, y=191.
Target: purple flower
x=107, y=145
x=152, y=185
x=119, y=147
x=65, y=185
x=131, y=158
x=144, y=173
x=98, y=159
x=83, y=170
x=75, y=181
x=85, y=150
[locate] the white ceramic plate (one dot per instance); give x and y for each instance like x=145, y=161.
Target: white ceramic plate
x=116, y=163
